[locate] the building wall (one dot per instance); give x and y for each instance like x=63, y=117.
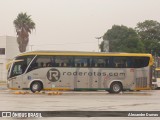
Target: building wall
x=11, y=47
x=2, y=57
x=11, y=50
x=2, y=42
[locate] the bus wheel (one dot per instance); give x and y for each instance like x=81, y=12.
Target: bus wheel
x=115, y=87
x=36, y=86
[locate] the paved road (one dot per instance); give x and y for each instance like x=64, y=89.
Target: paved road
x=77, y=101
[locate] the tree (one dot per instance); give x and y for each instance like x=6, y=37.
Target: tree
x=149, y=32
x=23, y=25
x=122, y=39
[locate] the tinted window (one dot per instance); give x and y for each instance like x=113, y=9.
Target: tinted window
x=138, y=62
x=100, y=62
x=62, y=61
x=40, y=62
x=2, y=51
x=82, y=62
x=120, y=62
x=129, y=62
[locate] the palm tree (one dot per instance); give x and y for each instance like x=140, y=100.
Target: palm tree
x=23, y=25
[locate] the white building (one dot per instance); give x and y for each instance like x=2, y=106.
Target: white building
x=8, y=50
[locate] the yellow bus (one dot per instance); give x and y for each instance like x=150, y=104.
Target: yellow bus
x=71, y=70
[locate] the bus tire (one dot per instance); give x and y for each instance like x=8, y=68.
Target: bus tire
x=115, y=87
x=36, y=87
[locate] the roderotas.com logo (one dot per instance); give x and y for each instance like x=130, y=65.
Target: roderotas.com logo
x=53, y=75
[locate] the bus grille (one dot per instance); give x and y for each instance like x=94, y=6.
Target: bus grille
x=141, y=82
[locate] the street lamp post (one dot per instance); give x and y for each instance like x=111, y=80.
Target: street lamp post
x=98, y=38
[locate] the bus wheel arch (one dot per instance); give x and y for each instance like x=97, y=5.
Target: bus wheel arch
x=36, y=86
x=116, y=87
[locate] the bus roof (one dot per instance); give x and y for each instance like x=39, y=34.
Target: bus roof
x=77, y=53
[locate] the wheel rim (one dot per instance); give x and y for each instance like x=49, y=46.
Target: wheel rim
x=35, y=87
x=116, y=87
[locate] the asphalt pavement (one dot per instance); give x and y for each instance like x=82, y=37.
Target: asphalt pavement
x=11, y=100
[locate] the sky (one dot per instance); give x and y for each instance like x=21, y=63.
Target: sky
x=73, y=25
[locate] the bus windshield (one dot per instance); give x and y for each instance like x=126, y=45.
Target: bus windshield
x=20, y=65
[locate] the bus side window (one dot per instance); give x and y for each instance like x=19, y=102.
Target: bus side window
x=48, y=64
x=56, y=64
x=120, y=62
x=35, y=65
x=68, y=64
x=62, y=64
x=42, y=64
x=82, y=64
x=78, y=65
x=107, y=63
x=62, y=61
x=39, y=62
x=99, y=64
x=95, y=65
